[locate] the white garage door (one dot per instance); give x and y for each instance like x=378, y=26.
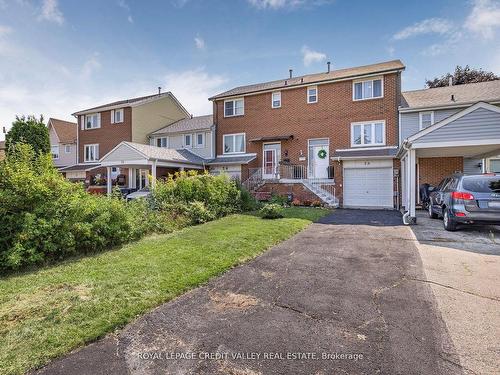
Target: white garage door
x=368, y=187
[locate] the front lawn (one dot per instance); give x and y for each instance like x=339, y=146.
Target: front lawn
x=47, y=313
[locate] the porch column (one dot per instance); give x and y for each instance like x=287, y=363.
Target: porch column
x=108, y=181
x=131, y=177
x=153, y=173
x=411, y=187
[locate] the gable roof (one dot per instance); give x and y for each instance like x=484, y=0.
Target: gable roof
x=462, y=94
x=452, y=118
x=65, y=130
x=383, y=67
x=186, y=125
x=133, y=102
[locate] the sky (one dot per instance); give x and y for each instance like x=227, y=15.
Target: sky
x=61, y=56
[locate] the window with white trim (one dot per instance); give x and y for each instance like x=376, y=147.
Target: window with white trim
x=92, y=121
x=426, y=119
x=234, y=107
x=276, y=99
x=67, y=149
x=200, y=140
x=91, y=152
x=312, y=94
x=368, y=134
x=54, y=150
x=234, y=143
x=117, y=116
x=162, y=142
x=369, y=89
x=188, y=140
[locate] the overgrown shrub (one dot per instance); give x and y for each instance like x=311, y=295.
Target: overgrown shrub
x=248, y=201
x=272, y=211
x=198, y=213
x=281, y=200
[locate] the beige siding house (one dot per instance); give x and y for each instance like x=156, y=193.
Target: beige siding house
x=63, y=142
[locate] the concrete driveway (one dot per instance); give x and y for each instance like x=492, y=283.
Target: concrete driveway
x=348, y=295
x=463, y=270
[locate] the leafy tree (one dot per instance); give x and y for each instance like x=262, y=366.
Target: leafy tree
x=461, y=76
x=29, y=130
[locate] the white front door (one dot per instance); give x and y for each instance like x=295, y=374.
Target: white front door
x=271, y=158
x=320, y=161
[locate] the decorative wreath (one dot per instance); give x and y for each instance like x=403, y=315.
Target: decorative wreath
x=322, y=154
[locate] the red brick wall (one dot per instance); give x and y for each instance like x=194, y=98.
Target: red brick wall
x=107, y=136
x=299, y=191
x=433, y=170
x=330, y=118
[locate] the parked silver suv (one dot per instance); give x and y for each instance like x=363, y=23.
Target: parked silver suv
x=463, y=199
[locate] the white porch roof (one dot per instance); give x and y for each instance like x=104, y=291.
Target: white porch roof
x=130, y=154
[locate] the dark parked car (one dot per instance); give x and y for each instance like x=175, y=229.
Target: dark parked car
x=462, y=199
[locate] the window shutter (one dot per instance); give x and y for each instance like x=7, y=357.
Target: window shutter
x=97, y=150
x=82, y=122
x=113, y=116
x=99, y=120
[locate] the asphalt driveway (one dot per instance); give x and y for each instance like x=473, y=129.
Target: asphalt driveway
x=348, y=294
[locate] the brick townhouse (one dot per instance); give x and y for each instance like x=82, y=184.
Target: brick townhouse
x=334, y=134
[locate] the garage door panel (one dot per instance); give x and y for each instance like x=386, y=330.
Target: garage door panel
x=368, y=187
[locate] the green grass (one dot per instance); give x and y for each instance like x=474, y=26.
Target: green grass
x=49, y=312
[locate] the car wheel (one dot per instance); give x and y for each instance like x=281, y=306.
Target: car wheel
x=448, y=222
x=432, y=215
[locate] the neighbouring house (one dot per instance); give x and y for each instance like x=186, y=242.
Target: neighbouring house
x=2, y=150
x=446, y=130
x=331, y=136
x=63, y=143
x=101, y=129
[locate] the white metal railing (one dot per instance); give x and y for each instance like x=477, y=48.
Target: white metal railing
x=254, y=179
x=293, y=172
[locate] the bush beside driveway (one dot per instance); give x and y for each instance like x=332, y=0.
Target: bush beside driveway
x=47, y=313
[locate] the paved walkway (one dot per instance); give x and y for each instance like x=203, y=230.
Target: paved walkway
x=347, y=285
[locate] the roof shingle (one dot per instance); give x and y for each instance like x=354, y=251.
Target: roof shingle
x=186, y=125
x=65, y=130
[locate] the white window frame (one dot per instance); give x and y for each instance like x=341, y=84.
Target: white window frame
x=167, y=141
x=67, y=149
x=98, y=122
x=420, y=119
x=55, y=156
x=96, y=152
x=272, y=99
x=309, y=96
x=184, y=140
x=372, y=124
x=113, y=115
x=362, y=81
x=196, y=144
x=234, y=143
x=234, y=107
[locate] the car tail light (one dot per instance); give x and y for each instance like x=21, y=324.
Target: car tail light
x=462, y=195
x=461, y=214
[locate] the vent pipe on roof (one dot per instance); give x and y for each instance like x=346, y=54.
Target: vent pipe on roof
x=328, y=64
x=450, y=81
x=291, y=72
x=159, y=90
x=452, y=97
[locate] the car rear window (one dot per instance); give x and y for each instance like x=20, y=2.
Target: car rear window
x=482, y=184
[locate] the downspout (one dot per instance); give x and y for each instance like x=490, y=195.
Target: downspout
x=406, y=216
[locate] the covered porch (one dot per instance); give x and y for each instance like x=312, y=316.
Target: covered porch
x=145, y=164
x=461, y=143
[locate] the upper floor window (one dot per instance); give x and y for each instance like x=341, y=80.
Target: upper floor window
x=54, y=150
x=91, y=152
x=93, y=121
x=200, y=140
x=67, y=149
x=426, y=119
x=117, y=116
x=369, y=89
x=276, y=99
x=162, y=142
x=234, y=143
x=234, y=107
x=188, y=140
x=368, y=134
x=312, y=94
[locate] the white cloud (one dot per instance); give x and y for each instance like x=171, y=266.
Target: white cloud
x=130, y=19
x=278, y=4
x=428, y=26
x=90, y=66
x=4, y=30
x=309, y=56
x=50, y=12
x=123, y=4
x=193, y=88
x=199, y=42
x=390, y=50
x=484, y=18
